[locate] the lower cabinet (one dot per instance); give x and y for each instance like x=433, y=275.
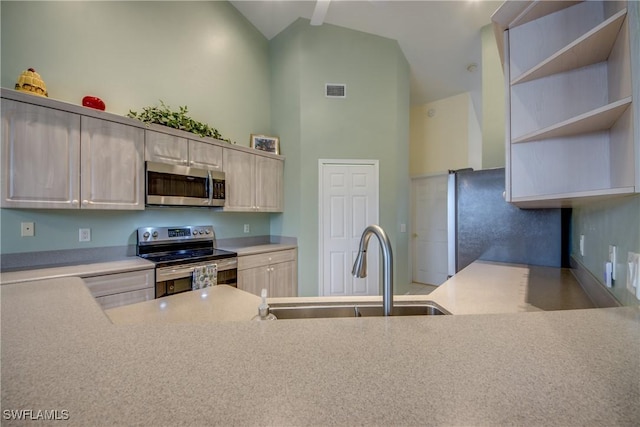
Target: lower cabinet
x=276, y=271
x=114, y=290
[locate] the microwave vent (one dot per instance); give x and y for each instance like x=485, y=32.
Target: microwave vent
x=333, y=90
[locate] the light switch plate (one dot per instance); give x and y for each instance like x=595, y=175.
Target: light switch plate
x=613, y=254
x=633, y=273
x=84, y=235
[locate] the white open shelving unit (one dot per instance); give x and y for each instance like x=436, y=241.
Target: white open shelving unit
x=571, y=121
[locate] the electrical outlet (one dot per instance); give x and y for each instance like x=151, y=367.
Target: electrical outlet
x=27, y=229
x=84, y=235
x=247, y=228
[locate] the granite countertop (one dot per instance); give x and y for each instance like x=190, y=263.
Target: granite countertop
x=572, y=367
x=212, y=304
x=488, y=288
x=259, y=249
x=116, y=266
x=81, y=270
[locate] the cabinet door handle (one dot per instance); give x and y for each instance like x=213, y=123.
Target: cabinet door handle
x=74, y=202
x=85, y=202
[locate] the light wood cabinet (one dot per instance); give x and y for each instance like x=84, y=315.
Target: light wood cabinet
x=570, y=110
x=57, y=159
x=112, y=166
x=276, y=271
x=41, y=157
x=114, y=290
x=165, y=148
x=254, y=182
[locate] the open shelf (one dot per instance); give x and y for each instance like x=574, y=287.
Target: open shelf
x=539, y=8
x=514, y=13
x=592, y=121
x=566, y=200
x=590, y=48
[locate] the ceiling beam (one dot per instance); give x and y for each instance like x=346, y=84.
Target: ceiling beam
x=320, y=12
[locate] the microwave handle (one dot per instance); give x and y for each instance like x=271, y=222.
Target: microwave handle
x=210, y=187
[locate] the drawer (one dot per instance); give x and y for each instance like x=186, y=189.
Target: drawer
x=110, y=284
x=267, y=258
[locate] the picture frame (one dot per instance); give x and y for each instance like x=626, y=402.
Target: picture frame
x=270, y=144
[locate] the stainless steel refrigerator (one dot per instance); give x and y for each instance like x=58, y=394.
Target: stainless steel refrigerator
x=481, y=225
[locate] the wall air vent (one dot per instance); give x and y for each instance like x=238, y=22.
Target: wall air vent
x=335, y=90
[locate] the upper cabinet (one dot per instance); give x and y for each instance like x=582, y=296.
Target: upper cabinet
x=254, y=182
x=571, y=121
x=40, y=157
x=112, y=165
x=50, y=163
x=57, y=155
x=166, y=148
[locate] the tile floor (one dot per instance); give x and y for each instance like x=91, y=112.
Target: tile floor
x=420, y=289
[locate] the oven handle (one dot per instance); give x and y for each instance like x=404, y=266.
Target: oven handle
x=182, y=271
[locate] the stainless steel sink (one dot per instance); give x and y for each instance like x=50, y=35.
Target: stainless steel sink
x=354, y=310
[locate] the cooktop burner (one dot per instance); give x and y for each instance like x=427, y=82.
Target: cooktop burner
x=188, y=256
x=166, y=246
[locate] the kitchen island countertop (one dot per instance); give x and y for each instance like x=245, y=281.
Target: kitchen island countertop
x=572, y=367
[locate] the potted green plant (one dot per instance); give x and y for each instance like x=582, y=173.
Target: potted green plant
x=163, y=115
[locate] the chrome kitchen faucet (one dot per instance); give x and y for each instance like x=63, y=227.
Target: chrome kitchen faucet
x=360, y=266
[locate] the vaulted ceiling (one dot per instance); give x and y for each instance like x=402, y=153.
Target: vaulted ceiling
x=440, y=39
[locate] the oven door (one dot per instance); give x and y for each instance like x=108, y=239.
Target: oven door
x=176, y=279
x=175, y=185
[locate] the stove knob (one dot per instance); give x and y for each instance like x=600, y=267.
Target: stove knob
x=207, y=231
x=195, y=232
x=201, y=232
x=146, y=235
x=155, y=234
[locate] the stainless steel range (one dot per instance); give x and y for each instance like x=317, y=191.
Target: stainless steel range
x=178, y=251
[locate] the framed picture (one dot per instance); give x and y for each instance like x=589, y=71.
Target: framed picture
x=270, y=144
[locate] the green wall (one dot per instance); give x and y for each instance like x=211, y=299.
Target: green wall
x=58, y=229
x=205, y=55
x=613, y=222
x=371, y=123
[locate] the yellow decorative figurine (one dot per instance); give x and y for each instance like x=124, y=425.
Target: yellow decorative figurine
x=31, y=82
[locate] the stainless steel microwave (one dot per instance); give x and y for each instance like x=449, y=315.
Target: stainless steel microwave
x=175, y=185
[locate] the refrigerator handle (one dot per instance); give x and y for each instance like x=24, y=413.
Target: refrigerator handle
x=452, y=238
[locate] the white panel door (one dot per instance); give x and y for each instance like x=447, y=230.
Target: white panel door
x=348, y=204
x=430, y=240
